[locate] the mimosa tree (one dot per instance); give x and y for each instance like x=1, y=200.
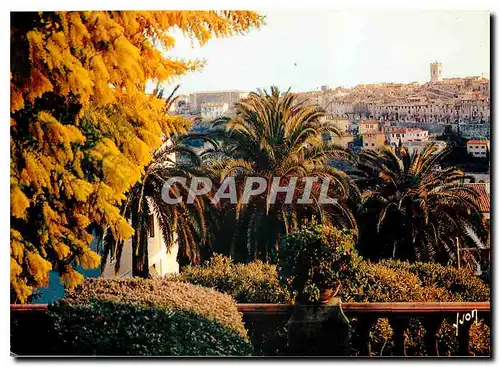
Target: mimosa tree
x=83, y=127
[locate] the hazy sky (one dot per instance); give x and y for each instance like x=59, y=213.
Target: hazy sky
x=309, y=48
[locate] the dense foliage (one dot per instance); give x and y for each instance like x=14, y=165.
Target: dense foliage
x=148, y=317
x=254, y=282
x=362, y=281
x=463, y=285
x=411, y=209
x=274, y=135
x=396, y=281
x=83, y=127
x=386, y=281
x=315, y=259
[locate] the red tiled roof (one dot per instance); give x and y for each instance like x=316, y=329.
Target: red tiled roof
x=484, y=196
x=369, y=122
x=478, y=142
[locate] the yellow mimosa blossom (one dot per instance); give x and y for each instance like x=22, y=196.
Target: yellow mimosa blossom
x=83, y=127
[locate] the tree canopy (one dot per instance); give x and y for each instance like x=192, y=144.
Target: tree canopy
x=274, y=135
x=411, y=210
x=83, y=127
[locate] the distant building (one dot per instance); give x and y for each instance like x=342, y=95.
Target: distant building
x=436, y=72
x=341, y=140
x=373, y=140
x=229, y=97
x=478, y=148
x=339, y=123
x=441, y=100
x=213, y=110
x=181, y=105
x=404, y=135
x=416, y=99
x=483, y=190
x=419, y=146
x=314, y=98
x=368, y=125
x=437, y=110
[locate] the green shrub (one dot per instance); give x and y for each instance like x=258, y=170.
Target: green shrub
x=463, y=284
x=376, y=282
x=315, y=259
x=255, y=282
x=147, y=317
x=396, y=281
x=362, y=281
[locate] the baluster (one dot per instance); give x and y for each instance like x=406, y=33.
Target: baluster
x=364, y=326
x=463, y=339
x=399, y=326
x=432, y=325
x=487, y=321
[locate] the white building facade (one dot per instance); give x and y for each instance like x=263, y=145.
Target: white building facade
x=161, y=261
x=405, y=135
x=196, y=100
x=213, y=110
x=368, y=126
x=440, y=112
x=478, y=148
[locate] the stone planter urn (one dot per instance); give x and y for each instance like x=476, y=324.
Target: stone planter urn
x=318, y=330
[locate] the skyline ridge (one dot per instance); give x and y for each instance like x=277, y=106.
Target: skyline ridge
x=304, y=50
x=331, y=87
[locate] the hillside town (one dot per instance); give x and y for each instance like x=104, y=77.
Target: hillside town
x=443, y=111
x=373, y=115
x=463, y=103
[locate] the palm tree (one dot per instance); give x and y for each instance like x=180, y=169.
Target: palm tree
x=411, y=210
x=273, y=135
x=182, y=223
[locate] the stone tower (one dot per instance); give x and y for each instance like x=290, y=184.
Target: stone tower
x=436, y=72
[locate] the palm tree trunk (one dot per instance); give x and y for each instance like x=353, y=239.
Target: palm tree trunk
x=232, y=246
x=140, y=258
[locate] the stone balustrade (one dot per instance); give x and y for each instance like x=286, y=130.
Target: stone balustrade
x=398, y=313
x=267, y=317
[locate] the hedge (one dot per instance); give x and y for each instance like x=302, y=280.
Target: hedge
x=462, y=284
x=147, y=317
x=377, y=282
x=385, y=281
x=254, y=282
x=396, y=281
